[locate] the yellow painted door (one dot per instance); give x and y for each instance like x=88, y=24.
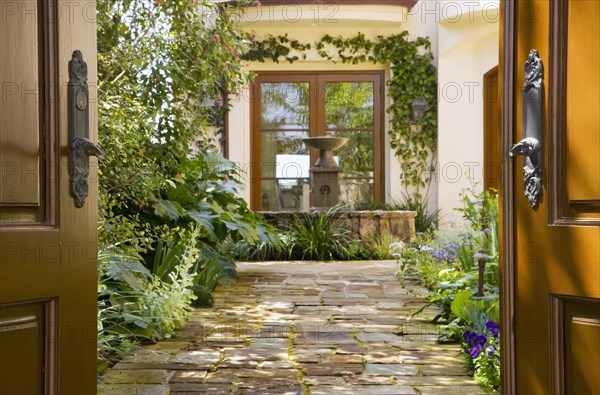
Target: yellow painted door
x=48, y=250
x=551, y=251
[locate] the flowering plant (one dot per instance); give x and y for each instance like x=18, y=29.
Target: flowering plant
x=428, y=260
x=483, y=355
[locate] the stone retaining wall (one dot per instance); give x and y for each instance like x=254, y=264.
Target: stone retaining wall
x=364, y=225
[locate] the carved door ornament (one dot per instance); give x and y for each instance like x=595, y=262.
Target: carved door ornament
x=530, y=147
x=79, y=128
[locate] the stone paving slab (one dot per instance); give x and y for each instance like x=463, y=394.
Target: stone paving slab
x=305, y=328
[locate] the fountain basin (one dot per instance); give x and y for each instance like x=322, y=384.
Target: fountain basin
x=326, y=145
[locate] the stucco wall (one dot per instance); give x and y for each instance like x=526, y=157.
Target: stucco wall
x=467, y=49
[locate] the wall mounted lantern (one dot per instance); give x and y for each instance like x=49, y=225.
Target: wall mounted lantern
x=418, y=109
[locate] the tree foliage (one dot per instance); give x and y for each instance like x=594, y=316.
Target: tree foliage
x=167, y=200
x=160, y=67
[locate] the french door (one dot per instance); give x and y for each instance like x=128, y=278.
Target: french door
x=289, y=107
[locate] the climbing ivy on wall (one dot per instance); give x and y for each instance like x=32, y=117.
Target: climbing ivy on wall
x=413, y=74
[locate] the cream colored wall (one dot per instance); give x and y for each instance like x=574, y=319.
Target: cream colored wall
x=372, y=20
x=468, y=48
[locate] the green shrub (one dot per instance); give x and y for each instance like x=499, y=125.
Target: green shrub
x=269, y=250
x=204, y=296
x=382, y=246
x=321, y=236
x=134, y=304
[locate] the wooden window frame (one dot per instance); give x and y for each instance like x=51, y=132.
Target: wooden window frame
x=317, y=79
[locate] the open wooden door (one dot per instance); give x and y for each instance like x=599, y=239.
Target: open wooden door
x=48, y=249
x=551, y=238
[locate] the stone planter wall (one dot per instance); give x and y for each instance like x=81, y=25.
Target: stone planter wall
x=364, y=225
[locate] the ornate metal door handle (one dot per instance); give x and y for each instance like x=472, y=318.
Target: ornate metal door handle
x=530, y=147
x=81, y=147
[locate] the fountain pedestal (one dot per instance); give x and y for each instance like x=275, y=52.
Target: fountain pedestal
x=325, y=174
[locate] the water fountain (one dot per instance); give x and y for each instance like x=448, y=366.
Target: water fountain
x=325, y=174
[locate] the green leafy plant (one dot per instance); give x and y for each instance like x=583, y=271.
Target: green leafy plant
x=382, y=246
x=269, y=250
x=482, y=351
x=318, y=236
x=135, y=305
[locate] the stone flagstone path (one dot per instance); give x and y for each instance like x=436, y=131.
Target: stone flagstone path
x=301, y=328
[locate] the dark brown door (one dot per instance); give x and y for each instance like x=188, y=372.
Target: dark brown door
x=551, y=252
x=48, y=251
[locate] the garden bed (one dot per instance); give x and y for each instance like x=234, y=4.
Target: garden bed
x=363, y=225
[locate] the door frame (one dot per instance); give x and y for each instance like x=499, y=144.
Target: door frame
x=255, y=174
x=506, y=72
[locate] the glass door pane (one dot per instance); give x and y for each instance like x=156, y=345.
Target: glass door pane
x=349, y=112
x=285, y=161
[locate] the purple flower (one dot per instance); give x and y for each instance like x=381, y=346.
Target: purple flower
x=475, y=351
x=451, y=247
x=487, y=230
x=437, y=254
x=493, y=328
x=468, y=338
x=490, y=350
x=480, y=340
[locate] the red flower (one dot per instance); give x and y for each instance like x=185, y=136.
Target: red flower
x=217, y=39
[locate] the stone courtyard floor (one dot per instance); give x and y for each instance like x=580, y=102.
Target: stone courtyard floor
x=301, y=328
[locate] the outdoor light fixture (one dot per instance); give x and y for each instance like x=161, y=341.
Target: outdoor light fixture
x=418, y=108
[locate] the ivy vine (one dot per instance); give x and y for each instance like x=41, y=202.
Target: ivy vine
x=413, y=75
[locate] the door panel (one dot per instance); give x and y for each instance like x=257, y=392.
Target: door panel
x=350, y=111
x=48, y=250
x=576, y=328
x=23, y=330
x=22, y=36
x=551, y=267
x=582, y=171
x=576, y=171
x=283, y=118
x=492, y=110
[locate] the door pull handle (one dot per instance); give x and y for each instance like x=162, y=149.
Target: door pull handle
x=526, y=147
x=531, y=147
x=79, y=129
